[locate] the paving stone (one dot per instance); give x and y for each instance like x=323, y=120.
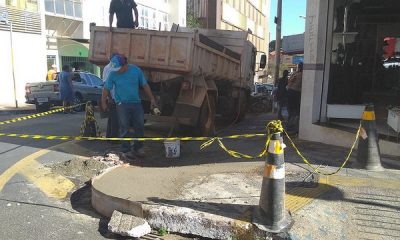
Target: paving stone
x=128, y=225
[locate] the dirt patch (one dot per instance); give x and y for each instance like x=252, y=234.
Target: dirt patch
x=80, y=169
x=83, y=169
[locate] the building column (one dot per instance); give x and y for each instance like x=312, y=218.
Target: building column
x=315, y=61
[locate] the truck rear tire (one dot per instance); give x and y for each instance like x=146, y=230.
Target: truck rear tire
x=241, y=106
x=206, y=123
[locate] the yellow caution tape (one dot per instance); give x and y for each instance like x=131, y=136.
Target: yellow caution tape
x=39, y=114
x=272, y=127
x=53, y=137
x=276, y=127
x=316, y=169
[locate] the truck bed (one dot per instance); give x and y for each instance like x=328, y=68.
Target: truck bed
x=184, y=53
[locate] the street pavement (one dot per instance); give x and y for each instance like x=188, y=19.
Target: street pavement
x=35, y=202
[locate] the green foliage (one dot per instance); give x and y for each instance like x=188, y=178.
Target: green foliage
x=192, y=21
x=163, y=232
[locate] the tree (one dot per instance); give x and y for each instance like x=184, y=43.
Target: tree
x=192, y=21
x=272, y=46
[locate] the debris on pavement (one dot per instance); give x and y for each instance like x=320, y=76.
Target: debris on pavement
x=128, y=225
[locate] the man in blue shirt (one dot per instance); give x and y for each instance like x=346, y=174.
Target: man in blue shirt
x=126, y=80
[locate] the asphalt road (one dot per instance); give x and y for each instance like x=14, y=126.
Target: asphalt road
x=31, y=205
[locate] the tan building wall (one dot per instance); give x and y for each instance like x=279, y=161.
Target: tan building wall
x=244, y=15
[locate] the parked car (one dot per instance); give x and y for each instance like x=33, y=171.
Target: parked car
x=87, y=87
x=263, y=89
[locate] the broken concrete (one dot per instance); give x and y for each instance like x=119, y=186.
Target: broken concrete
x=128, y=225
x=154, y=195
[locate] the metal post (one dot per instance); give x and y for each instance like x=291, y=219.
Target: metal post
x=278, y=41
x=12, y=65
x=368, y=152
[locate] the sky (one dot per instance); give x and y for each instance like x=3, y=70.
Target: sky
x=291, y=22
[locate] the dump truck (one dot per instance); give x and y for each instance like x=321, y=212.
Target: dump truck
x=195, y=74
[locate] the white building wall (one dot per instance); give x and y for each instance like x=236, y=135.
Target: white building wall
x=29, y=64
x=95, y=11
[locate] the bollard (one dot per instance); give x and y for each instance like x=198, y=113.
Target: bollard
x=368, y=153
x=271, y=215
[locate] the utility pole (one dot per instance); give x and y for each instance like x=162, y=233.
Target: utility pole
x=278, y=21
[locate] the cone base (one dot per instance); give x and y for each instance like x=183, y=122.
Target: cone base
x=261, y=221
x=370, y=167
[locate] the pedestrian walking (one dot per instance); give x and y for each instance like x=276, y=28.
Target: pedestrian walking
x=66, y=88
x=281, y=93
x=294, y=97
x=112, y=122
x=126, y=80
x=123, y=10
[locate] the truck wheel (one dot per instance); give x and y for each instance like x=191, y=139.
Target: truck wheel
x=242, y=108
x=42, y=107
x=206, y=122
x=78, y=100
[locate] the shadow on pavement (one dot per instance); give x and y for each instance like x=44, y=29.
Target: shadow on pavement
x=81, y=202
x=235, y=211
x=335, y=194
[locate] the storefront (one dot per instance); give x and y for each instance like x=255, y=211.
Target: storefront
x=352, y=57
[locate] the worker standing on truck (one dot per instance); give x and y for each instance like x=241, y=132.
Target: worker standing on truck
x=126, y=80
x=123, y=10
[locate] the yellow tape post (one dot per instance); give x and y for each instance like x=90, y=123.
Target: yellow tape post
x=368, y=116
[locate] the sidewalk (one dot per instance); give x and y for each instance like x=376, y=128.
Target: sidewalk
x=210, y=194
x=23, y=108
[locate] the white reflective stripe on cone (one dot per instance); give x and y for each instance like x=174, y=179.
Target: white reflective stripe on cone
x=272, y=172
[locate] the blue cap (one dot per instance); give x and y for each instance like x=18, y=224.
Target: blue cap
x=116, y=62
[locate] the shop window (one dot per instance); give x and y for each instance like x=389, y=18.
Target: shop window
x=365, y=54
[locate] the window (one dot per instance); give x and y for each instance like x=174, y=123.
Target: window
x=60, y=7
x=49, y=5
x=78, y=9
x=151, y=18
x=95, y=80
x=69, y=8
x=165, y=21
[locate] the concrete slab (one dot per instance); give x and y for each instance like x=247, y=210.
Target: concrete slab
x=217, y=200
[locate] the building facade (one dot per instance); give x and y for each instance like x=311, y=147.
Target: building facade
x=238, y=15
x=22, y=48
x=349, y=62
x=57, y=32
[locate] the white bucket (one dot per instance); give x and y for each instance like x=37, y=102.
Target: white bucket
x=172, y=149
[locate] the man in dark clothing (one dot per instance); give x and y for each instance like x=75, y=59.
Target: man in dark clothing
x=123, y=11
x=281, y=93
